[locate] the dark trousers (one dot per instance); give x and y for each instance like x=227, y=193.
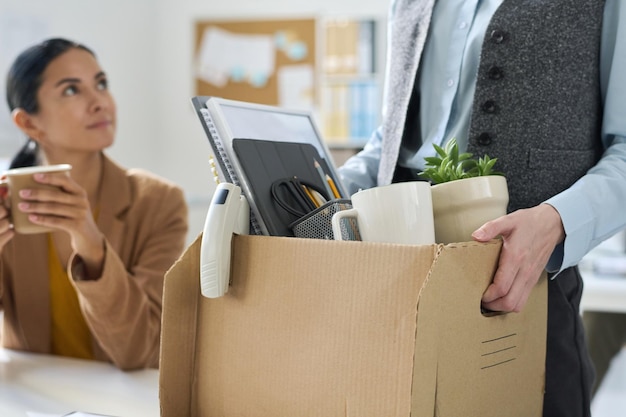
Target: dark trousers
x=569, y=371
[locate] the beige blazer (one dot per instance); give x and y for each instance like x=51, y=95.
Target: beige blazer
x=144, y=221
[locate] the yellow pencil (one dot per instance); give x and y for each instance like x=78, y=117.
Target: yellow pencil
x=333, y=187
x=311, y=196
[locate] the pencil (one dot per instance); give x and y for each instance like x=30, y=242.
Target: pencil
x=310, y=195
x=321, y=200
x=323, y=177
x=333, y=187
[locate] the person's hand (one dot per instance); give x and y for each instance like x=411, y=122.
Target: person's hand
x=66, y=208
x=529, y=237
x=6, y=230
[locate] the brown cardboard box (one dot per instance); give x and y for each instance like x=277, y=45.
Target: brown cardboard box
x=326, y=328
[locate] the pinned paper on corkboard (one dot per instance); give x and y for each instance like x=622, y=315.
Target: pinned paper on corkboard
x=260, y=61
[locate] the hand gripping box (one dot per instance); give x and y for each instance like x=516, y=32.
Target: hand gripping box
x=349, y=329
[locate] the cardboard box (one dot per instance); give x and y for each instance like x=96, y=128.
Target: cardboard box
x=326, y=328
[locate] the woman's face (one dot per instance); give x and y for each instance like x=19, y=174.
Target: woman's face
x=76, y=109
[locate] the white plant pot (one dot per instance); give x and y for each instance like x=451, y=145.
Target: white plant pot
x=462, y=206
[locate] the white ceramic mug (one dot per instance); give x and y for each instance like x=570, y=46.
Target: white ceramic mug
x=395, y=213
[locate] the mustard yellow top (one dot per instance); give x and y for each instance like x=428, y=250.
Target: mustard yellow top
x=70, y=334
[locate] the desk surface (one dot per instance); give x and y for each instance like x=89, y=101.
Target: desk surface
x=33, y=384
x=603, y=292
x=604, y=275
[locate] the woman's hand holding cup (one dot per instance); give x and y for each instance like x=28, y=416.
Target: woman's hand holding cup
x=21, y=181
x=6, y=228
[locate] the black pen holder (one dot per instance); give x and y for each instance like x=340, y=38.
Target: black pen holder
x=318, y=223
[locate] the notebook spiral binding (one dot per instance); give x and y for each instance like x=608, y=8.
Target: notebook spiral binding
x=227, y=170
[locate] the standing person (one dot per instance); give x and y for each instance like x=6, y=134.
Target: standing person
x=92, y=288
x=540, y=86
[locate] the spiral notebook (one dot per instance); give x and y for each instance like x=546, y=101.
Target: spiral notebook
x=282, y=136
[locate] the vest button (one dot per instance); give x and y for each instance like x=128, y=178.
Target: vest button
x=497, y=36
x=495, y=73
x=489, y=106
x=484, y=139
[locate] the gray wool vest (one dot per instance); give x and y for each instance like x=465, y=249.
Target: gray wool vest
x=537, y=105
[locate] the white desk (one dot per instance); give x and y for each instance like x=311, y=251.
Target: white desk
x=45, y=384
x=603, y=293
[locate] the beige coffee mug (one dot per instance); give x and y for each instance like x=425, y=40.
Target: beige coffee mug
x=22, y=178
x=395, y=213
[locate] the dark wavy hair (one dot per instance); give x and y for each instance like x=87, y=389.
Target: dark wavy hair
x=23, y=83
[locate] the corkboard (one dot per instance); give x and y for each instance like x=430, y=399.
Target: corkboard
x=301, y=29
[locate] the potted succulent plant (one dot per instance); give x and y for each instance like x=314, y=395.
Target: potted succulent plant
x=466, y=192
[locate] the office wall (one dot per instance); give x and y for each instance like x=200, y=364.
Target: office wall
x=146, y=47
x=120, y=32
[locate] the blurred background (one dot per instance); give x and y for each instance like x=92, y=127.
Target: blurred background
x=150, y=51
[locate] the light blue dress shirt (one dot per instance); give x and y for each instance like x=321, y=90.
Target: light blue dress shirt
x=593, y=208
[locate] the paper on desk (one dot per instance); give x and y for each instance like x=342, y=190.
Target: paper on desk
x=72, y=414
x=33, y=414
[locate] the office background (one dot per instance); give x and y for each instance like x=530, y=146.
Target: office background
x=146, y=47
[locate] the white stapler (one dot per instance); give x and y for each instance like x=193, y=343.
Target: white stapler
x=228, y=213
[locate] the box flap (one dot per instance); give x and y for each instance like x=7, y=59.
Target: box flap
x=181, y=294
x=485, y=365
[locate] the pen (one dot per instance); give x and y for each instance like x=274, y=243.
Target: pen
x=323, y=177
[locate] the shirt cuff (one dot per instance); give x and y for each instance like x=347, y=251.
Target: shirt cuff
x=577, y=218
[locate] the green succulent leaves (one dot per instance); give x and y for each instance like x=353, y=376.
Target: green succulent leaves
x=449, y=164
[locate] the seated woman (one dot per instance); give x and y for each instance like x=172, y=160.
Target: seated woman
x=92, y=288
